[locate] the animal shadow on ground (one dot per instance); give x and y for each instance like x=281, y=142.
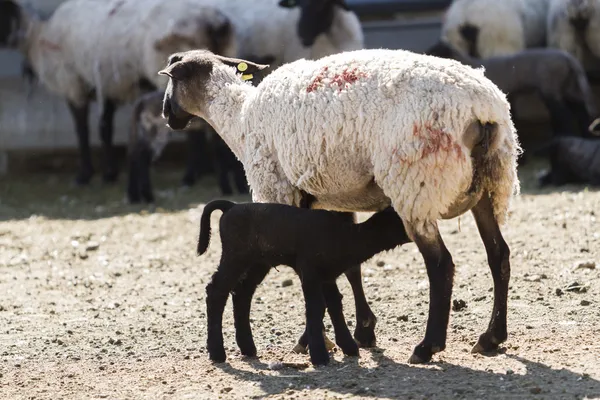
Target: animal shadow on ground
x=389, y=379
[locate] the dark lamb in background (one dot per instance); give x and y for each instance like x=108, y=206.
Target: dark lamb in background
x=149, y=135
x=572, y=160
x=317, y=244
x=555, y=75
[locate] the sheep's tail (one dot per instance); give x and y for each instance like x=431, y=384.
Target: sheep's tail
x=494, y=151
x=204, y=237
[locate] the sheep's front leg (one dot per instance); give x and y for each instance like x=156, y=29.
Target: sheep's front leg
x=79, y=112
x=440, y=270
x=315, y=311
x=333, y=300
x=498, y=258
x=242, y=300
x=106, y=136
x=364, y=333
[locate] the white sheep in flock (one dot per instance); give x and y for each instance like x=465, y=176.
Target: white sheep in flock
x=105, y=49
x=362, y=130
x=487, y=28
x=574, y=26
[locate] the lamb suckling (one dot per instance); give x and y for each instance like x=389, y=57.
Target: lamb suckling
x=148, y=137
x=363, y=130
x=572, y=160
x=574, y=26
x=319, y=245
x=556, y=76
x=487, y=28
x=105, y=50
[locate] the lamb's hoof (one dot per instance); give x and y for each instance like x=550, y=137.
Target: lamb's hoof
x=218, y=357
x=350, y=348
x=415, y=359
x=423, y=353
x=83, y=178
x=320, y=359
x=248, y=350
x=188, y=180
x=365, y=337
x=329, y=345
x=300, y=349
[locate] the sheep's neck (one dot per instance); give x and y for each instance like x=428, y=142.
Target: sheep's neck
x=226, y=109
x=383, y=231
x=33, y=31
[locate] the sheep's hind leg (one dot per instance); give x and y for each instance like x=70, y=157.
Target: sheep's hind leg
x=343, y=338
x=242, y=300
x=106, y=136
x=80, y=118
x=217, y=292
x=440, y=270
x=498, y=258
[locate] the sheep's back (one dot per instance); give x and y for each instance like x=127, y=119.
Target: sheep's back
x=334, y=121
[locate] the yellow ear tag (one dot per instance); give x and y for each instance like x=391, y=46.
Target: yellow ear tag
x=242, y=66
x=247, y=77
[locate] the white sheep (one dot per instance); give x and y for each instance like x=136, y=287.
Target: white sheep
x=486, y=28
x=361, y=130
x=573, y=26
x=106, y=48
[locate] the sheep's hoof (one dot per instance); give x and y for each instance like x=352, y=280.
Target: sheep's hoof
x=300, y=349
x=423, y=353
x=415, y=359
x=365, y=337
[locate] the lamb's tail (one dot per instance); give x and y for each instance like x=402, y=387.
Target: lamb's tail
x=204, y=237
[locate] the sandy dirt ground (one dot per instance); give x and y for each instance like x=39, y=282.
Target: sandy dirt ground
x=103, y=300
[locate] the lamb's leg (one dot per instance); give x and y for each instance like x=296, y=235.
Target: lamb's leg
x=343, y=338
x=196, y=156
x=560, y=117
x=222, y=157
x=217, y=292
x=106, y=136
x=239, y=176
x=242, y=300
x=582, y=117
x=498, y=258
x=312, y=288
x=364, y=333
x=79, y=112
x=440, y=270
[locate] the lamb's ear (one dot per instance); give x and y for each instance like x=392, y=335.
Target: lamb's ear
x=177, y=71
x=288, y=3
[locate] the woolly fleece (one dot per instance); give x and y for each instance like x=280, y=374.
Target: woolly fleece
x=110, y=45
x=505, y=26
x=562, y=35
x=347, y=126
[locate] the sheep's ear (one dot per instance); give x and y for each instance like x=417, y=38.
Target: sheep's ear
x=177, y=71
x=245, y=67
x=288, y=3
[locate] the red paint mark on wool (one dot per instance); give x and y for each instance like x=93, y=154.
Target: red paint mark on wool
x=114, y=10
x=435, y=140
x=348, y=76
x=318, y=80
x=49, y=45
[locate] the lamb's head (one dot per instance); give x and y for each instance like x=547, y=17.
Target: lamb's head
x=194, y=80
x=442, y=49
x=316, y=17
x=11, y=23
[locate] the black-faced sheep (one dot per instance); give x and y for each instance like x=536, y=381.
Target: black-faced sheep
x=319, y=245
x=572, y=160
x=107, y=50
x=148, y=137
x=556, y=76
x=363, y=130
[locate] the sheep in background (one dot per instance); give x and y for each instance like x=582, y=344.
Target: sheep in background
x=106, y=50
x=556, y=76
x=149, y=135
x=572, y=160
x=487, y=28
x=363, y=130
x=574, y=26
x=317, y=244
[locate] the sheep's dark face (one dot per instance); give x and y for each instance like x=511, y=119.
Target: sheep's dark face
x=10, y=23
x=316, y=17
x=190, y=75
